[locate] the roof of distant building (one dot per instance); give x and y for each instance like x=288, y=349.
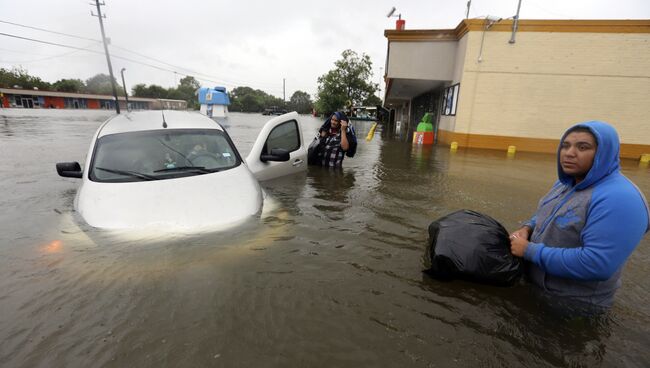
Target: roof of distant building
x=38, y=92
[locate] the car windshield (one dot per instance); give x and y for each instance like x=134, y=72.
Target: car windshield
x=161, y=154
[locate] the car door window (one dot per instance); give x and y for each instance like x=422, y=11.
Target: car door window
x=285, y=136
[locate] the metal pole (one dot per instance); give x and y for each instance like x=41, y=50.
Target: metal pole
x=126, y=94
x=108, y=56
x=515, y=24
x=469, y=3
x=284, y=95
x=380, y=78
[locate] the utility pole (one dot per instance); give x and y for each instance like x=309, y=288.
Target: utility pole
x=284, y=95
x=380, y=78
x=469, y=4
x=108, y=56
x=126, y=94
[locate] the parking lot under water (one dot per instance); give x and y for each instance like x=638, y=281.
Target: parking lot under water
x=331, y=278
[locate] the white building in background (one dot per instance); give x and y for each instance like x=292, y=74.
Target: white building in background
x=487, y=89
x=214, y=101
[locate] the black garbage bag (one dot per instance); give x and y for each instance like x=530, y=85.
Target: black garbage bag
x=472, y=246
x=315, y=151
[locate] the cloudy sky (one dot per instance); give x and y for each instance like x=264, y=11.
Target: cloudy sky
x=243, y=43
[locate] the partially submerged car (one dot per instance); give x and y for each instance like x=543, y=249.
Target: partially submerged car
x=179, y=170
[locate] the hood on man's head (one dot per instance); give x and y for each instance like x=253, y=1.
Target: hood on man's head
x=606, y=160
x=341, y=115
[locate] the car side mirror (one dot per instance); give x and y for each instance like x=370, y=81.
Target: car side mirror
x=69, y=169
x=277, y=154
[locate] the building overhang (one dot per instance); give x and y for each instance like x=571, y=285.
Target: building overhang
x=401, y=90
x=524, y=25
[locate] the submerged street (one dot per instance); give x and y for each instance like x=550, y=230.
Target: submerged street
x=330, y=276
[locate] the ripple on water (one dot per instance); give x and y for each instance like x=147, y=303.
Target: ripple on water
x=330, y=276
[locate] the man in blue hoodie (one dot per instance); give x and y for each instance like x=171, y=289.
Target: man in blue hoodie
x=588, y=224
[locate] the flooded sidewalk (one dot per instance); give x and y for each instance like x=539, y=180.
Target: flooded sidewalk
x=331, y=279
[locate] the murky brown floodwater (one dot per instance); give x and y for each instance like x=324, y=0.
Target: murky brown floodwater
x=331, y=279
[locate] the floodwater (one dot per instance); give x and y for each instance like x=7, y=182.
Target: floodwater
x=331, y=278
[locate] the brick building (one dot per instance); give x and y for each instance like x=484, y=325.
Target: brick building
x=28, y=98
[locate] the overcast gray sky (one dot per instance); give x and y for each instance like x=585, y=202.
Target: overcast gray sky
x=250, y=43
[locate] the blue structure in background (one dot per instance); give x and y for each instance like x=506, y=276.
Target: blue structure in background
x=214, y=101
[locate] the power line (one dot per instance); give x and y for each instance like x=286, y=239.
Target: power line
x=45, y=58
x=225, y=81
x=46, y=42
x=100, y=53
x=22, y=52
x=50, y=31
x=119, y=57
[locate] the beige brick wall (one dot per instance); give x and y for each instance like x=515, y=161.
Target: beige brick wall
x=449, y=122
x=547, y=81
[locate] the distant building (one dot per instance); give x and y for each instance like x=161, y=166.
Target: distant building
x=37, y=99
x=214, y=101
x=487, y=92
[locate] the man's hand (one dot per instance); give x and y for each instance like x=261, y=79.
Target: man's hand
x=344, y=124
x=523, y=232
x=518, y=245
x=519, y=241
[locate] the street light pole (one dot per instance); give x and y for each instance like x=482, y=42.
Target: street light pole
x=380, y=78
x=126, y=94
x=108, y=56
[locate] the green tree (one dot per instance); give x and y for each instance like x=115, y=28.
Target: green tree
x=18, y=76
x=139, y=90
x=69, y=85
x=372, y=100
x=152, y=91
x=247, y=99
x=348, y=84
x=301, y=102
x=156, y=91
x=186, y=90
x=101, y=84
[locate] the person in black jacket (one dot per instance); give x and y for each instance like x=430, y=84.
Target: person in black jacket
x=334, y=140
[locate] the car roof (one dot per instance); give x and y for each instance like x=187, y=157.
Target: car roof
x=153, y=120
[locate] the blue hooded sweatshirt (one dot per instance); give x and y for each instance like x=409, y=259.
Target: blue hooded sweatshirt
x=583, y=234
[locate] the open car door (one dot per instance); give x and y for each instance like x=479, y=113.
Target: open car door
x=279, y=149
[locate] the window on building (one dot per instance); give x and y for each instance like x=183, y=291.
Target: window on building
x=450, y=100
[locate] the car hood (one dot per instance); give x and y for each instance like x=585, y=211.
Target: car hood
x=213, y=200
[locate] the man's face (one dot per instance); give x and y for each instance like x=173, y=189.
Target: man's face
x=577, y=154
x=335, y=122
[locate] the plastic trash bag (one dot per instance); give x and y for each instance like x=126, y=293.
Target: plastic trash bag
x=315, y=152
x=472, y=246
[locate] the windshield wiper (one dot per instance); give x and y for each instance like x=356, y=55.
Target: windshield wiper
x=133, y=174
x=200, y=169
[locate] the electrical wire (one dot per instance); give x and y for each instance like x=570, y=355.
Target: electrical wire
x=117, y=57
x=225, y=81
x=45, y=42
x=45, y=58
x=50, y=31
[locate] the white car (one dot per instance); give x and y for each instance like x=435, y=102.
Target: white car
x=179, y=170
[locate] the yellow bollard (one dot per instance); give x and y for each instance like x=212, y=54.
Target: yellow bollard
x=645, y=158
x=371, y=133
x=512, y=150
x=453, y=146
